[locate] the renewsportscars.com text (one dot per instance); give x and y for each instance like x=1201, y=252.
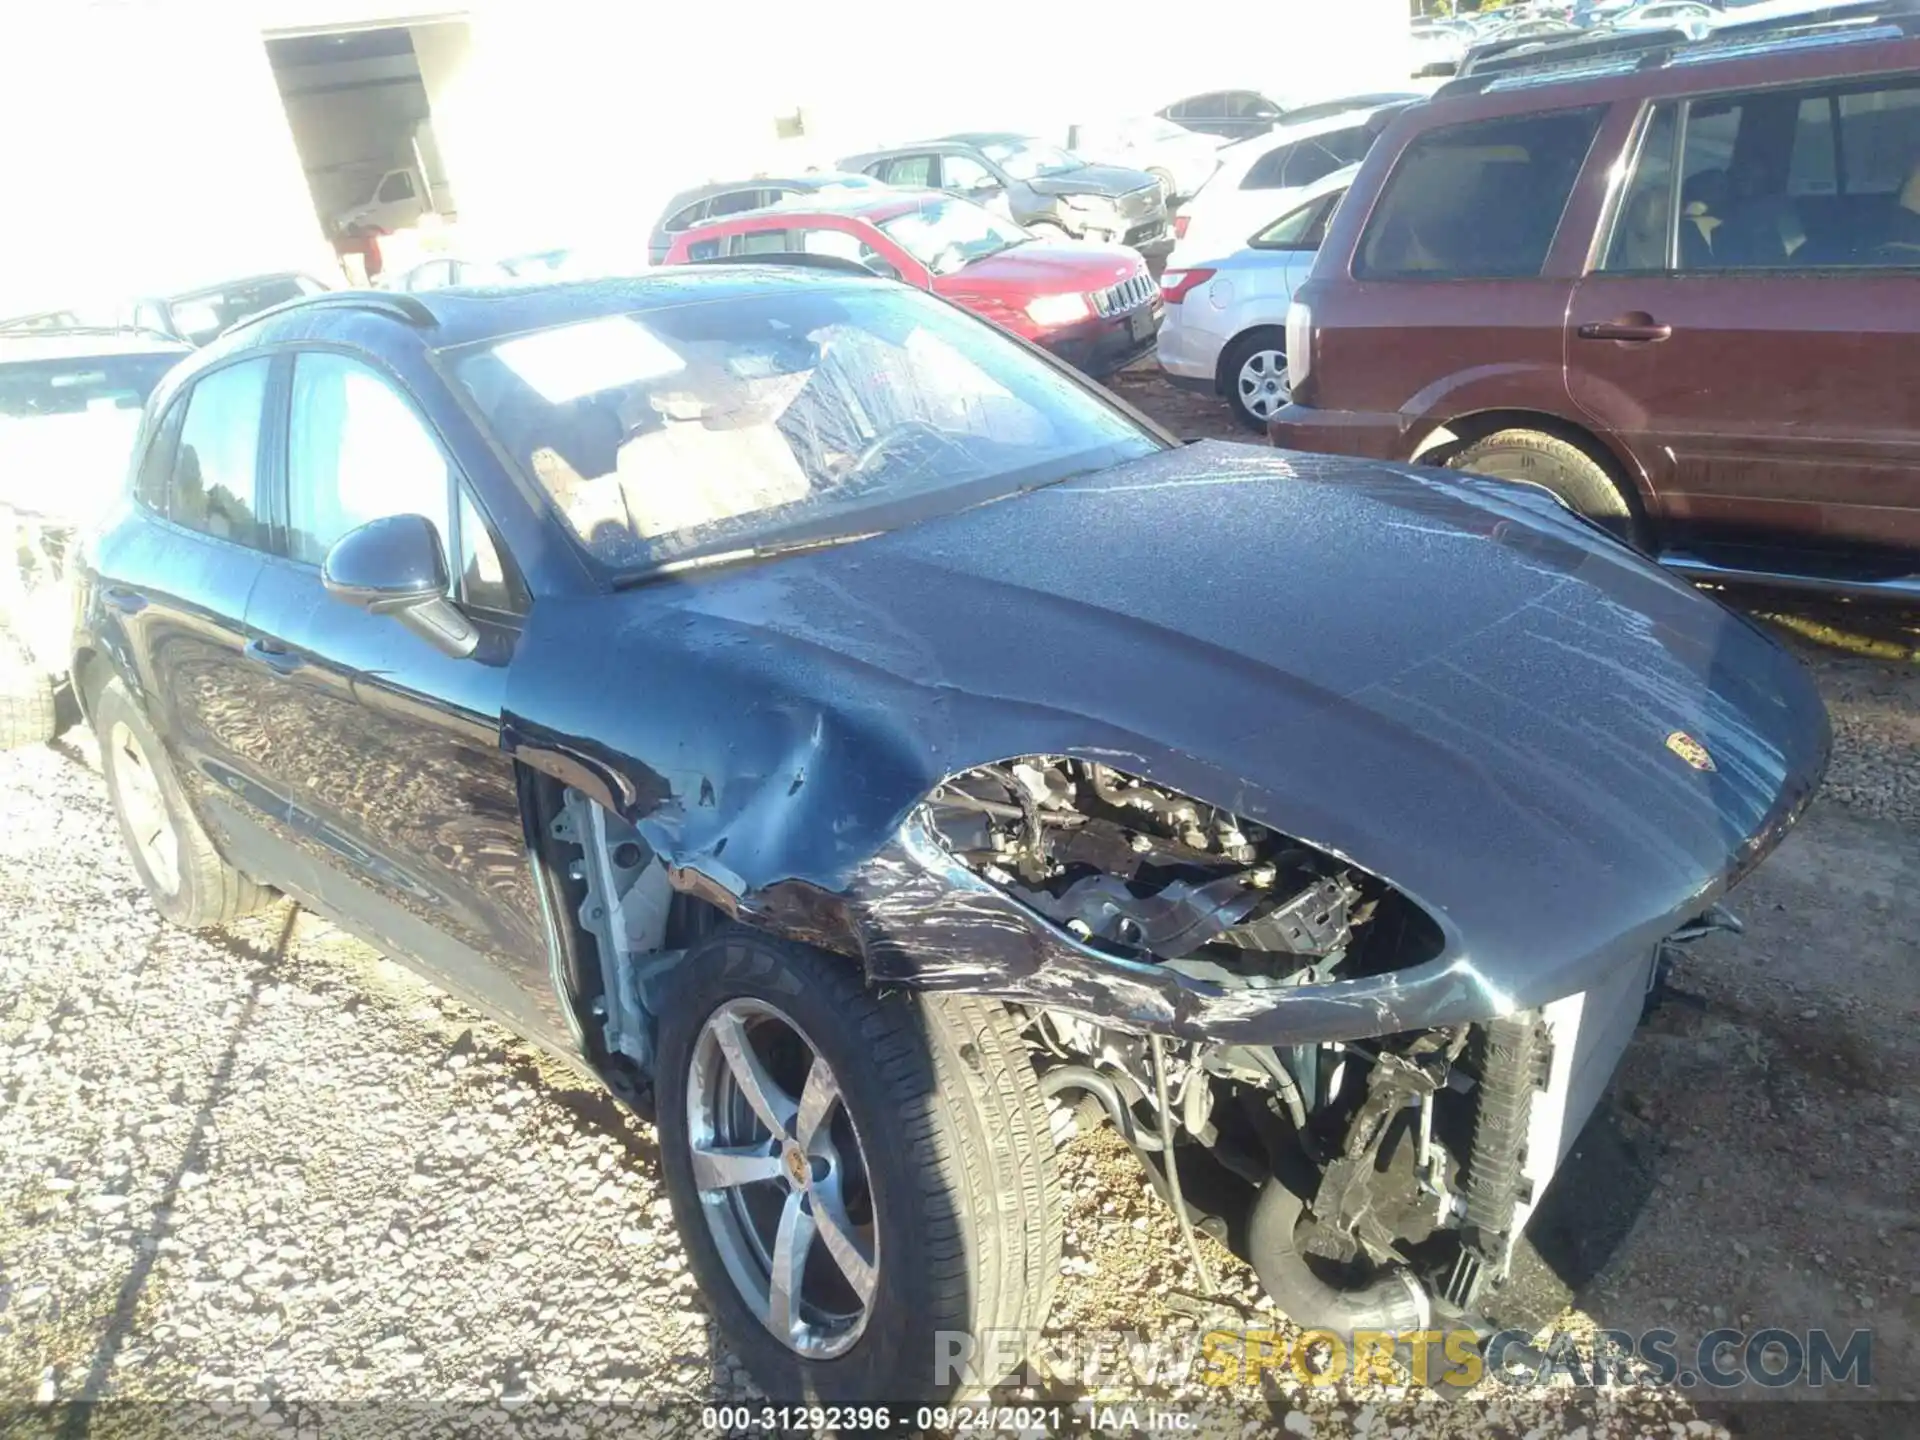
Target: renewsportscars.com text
x=1773, y=1358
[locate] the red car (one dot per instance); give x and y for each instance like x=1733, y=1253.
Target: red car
x=1095, y=306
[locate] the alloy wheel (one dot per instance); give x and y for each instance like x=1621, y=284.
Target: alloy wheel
x=144, y=806
x=782, y=1178
x=1262, y=383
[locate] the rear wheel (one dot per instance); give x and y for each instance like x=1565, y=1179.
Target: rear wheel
x=1578, y=480
x=864, y=1183
x=1253, y=373
x=171, y=852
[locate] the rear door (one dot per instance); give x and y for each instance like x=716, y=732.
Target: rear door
x=405, y=806
x=1454, y=306
x=178, y=577
x=1750, y=327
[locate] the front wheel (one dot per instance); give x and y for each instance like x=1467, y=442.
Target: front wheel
x=865, y=1184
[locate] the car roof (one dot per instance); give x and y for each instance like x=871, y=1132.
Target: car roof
x=1875, y=38
x=992, y=137
x=812, y=180
x=466, y=314
x=82, y=343
x=919, y=147
x=875, y=207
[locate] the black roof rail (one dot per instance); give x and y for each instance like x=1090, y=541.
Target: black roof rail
x=405, y=308
x=1539, y=52
x=1541, y=61
x=802, y=258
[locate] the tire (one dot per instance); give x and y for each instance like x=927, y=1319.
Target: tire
x=962, y=1216
x=1249, y=380
x=1570, y=473
x=191, y=886
x=1165, y=177
x=27, y=711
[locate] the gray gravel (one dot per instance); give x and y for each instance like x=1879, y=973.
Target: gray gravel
x=272, y=1168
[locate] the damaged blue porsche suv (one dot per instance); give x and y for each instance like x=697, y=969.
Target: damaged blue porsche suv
x=873, y=750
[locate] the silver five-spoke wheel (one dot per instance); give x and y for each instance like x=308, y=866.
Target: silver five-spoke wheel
x=1262, y=383
x=145, y=809
x=782, y=1178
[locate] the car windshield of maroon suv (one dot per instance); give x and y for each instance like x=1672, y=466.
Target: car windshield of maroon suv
x=1680, y=298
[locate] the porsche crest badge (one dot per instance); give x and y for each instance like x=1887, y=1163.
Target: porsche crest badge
x=1690, y=750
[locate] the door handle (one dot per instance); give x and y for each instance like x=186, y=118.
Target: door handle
x=1636, y=329
x=127, y=602
x=272, y=654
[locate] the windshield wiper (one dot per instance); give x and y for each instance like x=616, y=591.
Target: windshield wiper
x=666, y=570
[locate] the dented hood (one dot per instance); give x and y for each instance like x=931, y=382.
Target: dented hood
x=1545, y=740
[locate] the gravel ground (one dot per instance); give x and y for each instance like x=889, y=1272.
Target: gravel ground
x=272, y=1170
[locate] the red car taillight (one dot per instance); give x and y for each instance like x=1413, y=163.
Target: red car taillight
x=1180, y=226
x=1175, y=284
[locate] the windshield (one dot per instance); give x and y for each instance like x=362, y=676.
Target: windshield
x=1024, y=159
x=944, y=235
x=201, y=317
x=813, y=414
x=67, y=427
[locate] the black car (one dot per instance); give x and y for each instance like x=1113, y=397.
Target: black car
x=1035, y=184
x=849, y=731
x=1243, y=114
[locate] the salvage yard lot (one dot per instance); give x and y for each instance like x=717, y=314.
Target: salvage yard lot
x=270, y=1165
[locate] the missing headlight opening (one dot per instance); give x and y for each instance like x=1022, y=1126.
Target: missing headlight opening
x=1142, y=872
x=1384, y=1174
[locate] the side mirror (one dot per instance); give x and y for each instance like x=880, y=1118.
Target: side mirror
x=395, y=566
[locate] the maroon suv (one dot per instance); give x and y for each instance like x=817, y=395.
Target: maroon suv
x=1678, y=285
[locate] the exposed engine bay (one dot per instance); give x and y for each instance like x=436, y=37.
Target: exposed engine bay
x=1144, y=873
x=1389, y=1178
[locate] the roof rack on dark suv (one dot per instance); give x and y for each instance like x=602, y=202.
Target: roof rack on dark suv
x=1571, y=56
x=1678, y=283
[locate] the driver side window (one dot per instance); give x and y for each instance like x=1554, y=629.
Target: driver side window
x=965, y=174
x=356, y=451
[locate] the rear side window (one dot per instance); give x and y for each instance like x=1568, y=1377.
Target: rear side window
x=1301, y=229
x=681, y=219
x=1305, y=161
x=914, y=170
x=1477, y=201
x=215, y=465
x=762, y=242
x=737, y=202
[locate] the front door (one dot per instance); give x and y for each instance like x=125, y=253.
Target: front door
x=406, y=808
x=1750, y=331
